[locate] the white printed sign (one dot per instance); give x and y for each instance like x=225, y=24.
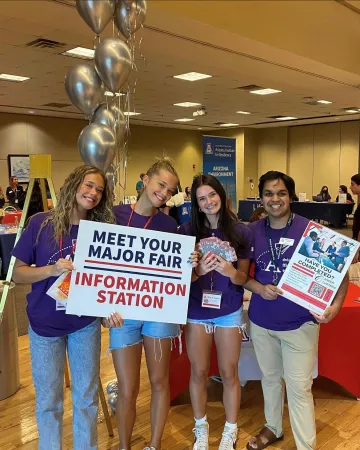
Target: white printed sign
x=142, y=274
x=317, y=267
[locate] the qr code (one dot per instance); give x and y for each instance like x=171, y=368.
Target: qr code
x=317, y=290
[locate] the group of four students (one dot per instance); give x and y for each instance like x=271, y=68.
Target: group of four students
x=284, y=334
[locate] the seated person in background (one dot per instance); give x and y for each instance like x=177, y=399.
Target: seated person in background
x=187, y=194
x=14, y=192
x=258, y=214
x=331, y=250
x=324, y=194
x=343, y=190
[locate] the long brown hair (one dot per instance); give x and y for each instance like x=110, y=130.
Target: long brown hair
x=60, y=216
x=227, y=219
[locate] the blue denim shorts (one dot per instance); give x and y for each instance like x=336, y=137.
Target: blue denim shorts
x=233, y=320
x=132, y=332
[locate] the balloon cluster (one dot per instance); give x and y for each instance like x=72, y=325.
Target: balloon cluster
x=112, y=390
x=86, y=84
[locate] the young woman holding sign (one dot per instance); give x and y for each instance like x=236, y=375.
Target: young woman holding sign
x=43, y=253
x=222, y=318
x=160, y=184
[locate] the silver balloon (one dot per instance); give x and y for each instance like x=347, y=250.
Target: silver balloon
x=129, y=16
x=111, y=177
x=112, y=116
x=113, y=63
x=84, y=88
x=96, y=13
x=112, y=400
x=112, y=386
x=97, y=146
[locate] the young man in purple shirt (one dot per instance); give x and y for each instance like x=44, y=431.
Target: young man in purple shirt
x=285, y=335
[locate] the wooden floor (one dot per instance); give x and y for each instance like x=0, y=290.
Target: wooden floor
x=337, y=415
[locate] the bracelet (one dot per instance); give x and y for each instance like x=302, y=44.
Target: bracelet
x=194, y=269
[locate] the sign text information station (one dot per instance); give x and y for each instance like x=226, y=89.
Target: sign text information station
x=142, y=274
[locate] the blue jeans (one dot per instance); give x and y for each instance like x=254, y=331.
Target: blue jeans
x=47, y=362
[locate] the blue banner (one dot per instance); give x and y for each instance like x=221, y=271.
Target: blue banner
x=219, y=160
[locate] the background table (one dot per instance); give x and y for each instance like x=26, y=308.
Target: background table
x=337, y=357
x=334, y=213
x=339, y=345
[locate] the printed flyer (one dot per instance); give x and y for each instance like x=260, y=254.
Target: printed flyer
x=317, y=267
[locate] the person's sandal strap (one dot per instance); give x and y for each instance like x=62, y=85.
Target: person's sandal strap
x=263, y=439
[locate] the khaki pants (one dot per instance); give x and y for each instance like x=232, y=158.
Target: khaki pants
x=289, y=355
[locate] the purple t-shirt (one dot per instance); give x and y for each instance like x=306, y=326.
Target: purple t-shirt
x=232, y=294
x=41, y=309
x=280, y=314
x=159, y=222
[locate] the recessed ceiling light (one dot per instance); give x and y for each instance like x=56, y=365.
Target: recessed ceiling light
x=16, y=78
x=183, y=120
x=243, y=112
x=266, y=91
x=352, y=110
x=131, y=113
x=199, y=128
x=192, y=76
x=110, y=94
x=80, y=52
x=229, y=125
x=31, y=112
x=324, y=102
x=187, y=104
x=285, y=118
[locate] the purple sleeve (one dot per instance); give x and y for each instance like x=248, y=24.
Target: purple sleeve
x=25, y=249
x=247, y=235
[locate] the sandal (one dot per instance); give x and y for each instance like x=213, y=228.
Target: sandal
x=263, y=439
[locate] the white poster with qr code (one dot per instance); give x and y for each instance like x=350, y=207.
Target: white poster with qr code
x=317, y=267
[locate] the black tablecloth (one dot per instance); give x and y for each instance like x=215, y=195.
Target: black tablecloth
x=334, y=213
x=7, y=242
x=246, y=208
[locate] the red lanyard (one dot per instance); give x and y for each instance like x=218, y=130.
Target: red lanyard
x=61, y=247
x=147, y=223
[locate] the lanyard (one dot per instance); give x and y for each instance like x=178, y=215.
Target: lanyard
x=276, y=254
x=211, y=280
x=61, y=247
x=147, y=223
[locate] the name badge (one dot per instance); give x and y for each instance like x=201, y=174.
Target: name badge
x=211, y=299
x=287, y=241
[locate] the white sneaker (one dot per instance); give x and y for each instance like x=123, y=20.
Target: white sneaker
x=201, y=437
x=228, y=440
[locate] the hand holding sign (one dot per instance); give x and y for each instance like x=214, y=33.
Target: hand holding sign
x=114, y=320
x=62, y=265
x=270, y=292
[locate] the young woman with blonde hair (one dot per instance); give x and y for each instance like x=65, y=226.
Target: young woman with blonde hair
x=42, y=255
x=126, y=343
